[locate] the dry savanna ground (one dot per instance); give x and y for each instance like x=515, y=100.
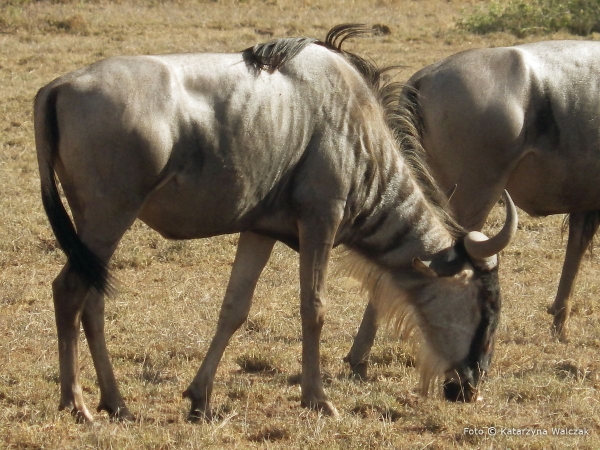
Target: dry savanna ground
x=160, y=324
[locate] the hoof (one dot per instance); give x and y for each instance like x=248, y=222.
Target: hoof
x=359, y=370
x=199, y=410
x=323, y=406
x=559, y=330
x=118, y=414
x=198, y=416
x=559, y=325
x=81, y=415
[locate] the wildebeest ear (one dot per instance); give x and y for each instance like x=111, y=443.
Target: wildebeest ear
x=423, y=267
x=444, y=264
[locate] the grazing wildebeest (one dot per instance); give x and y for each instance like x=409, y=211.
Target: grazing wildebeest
x=524, y=118
x=285, y=141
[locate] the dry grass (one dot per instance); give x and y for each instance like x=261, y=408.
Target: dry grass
x=159, y=327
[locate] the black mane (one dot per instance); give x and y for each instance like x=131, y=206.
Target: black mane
x=272, y=55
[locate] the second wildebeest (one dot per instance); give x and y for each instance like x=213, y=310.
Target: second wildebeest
x=523, y=118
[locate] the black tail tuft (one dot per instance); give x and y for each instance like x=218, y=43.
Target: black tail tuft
x=86, y=263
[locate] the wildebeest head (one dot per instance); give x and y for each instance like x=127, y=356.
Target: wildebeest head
x=453, y=300
x=459, y=310
x=459, y=314
x=462, y=380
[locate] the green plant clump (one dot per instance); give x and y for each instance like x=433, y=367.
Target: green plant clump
x=527, y=17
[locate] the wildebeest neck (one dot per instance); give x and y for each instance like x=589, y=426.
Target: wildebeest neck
x=401, y=225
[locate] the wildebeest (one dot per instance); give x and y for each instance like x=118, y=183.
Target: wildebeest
x=288, y=141
x=525, y=118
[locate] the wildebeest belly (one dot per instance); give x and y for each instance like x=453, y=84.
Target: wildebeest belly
x=545, y=183
x=190, y=206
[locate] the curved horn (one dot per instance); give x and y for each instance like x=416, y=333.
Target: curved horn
x=479, y=247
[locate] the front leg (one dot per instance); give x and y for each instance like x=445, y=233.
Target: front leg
x=252, y=255
x=358, y=357
x=317, y=233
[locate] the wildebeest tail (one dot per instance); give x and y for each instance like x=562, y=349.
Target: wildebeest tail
x=591, y=220
x=86, y=263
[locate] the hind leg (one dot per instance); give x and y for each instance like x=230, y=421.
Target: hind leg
x=69, y=293
x=111, y=400
x=252, y=255
x=581, y=233
x=75, y=303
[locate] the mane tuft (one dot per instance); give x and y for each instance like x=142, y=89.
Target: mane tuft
x=368, y=69
x=274, y=54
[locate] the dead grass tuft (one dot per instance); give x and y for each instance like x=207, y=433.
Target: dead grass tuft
x=75, y=24
x=270, y=434
x=387, y=414
x=392, y=354
x=569, y=369
x=256, y=324
x=380, y=29
x=257, y=363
